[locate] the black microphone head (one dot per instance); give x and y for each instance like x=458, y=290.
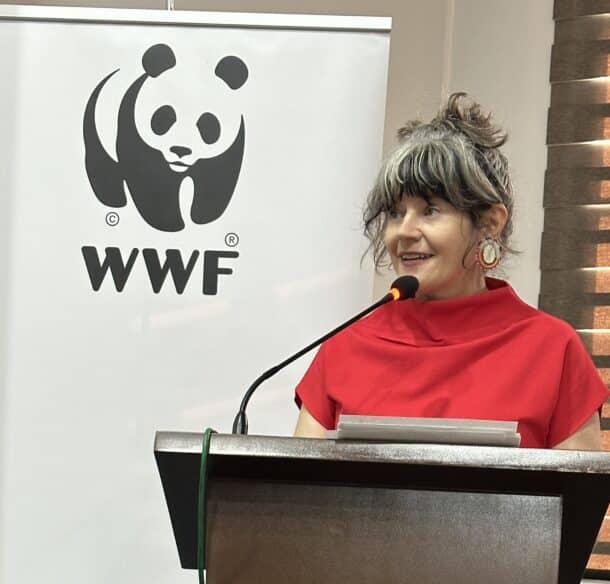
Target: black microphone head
x=404, y=287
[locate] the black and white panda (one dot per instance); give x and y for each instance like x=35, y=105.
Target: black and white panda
x=154, y=163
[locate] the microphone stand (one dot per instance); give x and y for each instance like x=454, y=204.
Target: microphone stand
x=240, y=424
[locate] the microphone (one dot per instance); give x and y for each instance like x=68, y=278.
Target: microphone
x=402, y=288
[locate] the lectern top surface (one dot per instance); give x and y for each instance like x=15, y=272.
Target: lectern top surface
x=361, y=451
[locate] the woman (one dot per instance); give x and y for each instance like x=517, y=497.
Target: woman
x=466, y=346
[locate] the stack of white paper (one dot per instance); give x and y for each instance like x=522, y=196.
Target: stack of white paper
x=430, y=430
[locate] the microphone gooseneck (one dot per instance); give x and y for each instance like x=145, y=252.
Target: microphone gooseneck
x=402, y=288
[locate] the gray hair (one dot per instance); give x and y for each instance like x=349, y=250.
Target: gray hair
x=455, y=157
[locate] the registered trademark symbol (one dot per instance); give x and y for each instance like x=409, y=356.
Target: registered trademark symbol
x=112, y=219
x=231, y=239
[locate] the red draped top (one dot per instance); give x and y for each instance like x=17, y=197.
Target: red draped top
x=485, y=356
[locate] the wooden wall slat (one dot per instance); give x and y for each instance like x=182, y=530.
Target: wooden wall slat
x=586, y=28
x=580, y=92
x=572, y=8
x=567, y=219
x=599, y=562
x=567, y=298
x=564, y=282
x=602, y=547
x=578, y=186
x=598, y=344
x=559, y=252
x=579, y=60
x=578, y=123
x=578, y=238
x=571, y=298
x=580, y=317
x=578, y=156
x=578, y=314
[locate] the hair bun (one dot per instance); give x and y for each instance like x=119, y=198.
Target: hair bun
x=464, y=115
x=406, y=130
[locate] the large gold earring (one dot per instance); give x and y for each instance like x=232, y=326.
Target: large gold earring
x=489, y=253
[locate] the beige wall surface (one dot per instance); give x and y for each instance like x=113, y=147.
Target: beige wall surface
x=501, y=53
x=497, y=51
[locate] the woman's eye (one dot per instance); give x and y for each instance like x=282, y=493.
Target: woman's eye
x=432, y=210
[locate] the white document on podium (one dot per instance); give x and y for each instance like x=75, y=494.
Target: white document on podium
x=427, y=430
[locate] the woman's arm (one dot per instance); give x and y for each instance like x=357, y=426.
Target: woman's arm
x=587, y=437
x=308, y=426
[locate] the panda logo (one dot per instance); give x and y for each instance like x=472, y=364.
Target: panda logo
x=154, y=172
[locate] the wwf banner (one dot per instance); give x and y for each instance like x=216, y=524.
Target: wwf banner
x=181, y=201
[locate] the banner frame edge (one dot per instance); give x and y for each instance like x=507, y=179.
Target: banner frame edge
x=10, y=12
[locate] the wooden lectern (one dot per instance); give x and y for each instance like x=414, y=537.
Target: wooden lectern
x=305, y=511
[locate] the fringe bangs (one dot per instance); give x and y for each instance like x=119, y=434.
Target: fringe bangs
x=419, y=169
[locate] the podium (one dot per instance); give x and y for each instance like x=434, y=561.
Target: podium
x=296, y=511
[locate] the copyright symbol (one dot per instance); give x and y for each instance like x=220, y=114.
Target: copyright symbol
x=112, y=219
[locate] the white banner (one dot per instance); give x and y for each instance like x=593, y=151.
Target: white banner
x=182, y=195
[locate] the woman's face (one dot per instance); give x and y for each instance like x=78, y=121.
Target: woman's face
x=436, y=243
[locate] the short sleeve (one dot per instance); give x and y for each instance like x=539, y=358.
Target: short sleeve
x=581, y=392
x=312, y=392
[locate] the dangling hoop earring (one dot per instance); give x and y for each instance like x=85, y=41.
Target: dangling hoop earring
x=489, y=253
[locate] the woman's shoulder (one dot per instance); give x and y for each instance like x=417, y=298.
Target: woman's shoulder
x=551, y=324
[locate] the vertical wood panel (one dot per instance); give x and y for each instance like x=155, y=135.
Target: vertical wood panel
x=576, y=238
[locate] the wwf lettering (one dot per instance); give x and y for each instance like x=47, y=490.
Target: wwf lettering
x=120, y=268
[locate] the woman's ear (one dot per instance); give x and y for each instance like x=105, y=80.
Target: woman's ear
x=493, y=220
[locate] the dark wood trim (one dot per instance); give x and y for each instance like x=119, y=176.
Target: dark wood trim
x=579, y=92
x=575, y=283
x=578, y=123
x=579, y=60
x=572, y=8
x=576, y=186
x=577, y=156
x=584, y=28
x=567, y=219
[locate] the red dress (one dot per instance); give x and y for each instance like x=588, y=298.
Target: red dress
x=486, y=356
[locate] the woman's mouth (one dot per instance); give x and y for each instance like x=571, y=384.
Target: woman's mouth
x=412, y=260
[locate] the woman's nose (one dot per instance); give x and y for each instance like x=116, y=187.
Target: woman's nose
x=410, y=226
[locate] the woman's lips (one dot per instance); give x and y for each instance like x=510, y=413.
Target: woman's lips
x=413, y=262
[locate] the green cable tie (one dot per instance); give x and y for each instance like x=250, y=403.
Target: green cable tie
x=201, y=504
